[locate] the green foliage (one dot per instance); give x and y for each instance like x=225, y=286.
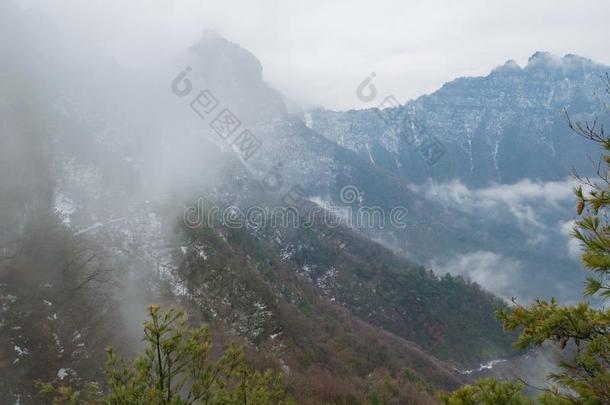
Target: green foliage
x=383, y=389
x=487, y=391
x=306, y=308
x=581, y=331
x=449, y=311
x=176, y=368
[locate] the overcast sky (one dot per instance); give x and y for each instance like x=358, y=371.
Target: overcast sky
x=317, y=52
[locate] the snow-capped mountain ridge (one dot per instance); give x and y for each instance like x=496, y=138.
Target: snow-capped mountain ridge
x=483, y=122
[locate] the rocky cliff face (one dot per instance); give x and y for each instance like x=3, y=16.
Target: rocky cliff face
x=503, y=127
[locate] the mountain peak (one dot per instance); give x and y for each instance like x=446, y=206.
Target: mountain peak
x=226, y=58
x=542, y=57
x=547, y=60
x=508, y=66
x=542, y=61
x=575, y=59
x=234, y=75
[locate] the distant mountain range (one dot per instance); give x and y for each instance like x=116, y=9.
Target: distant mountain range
x=501, y=128
x=494, y=205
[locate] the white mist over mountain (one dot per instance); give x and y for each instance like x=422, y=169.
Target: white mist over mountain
x=317, y=52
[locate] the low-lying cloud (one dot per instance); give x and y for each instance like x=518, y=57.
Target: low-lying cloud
x=536, y=220
x=533, y=205
x=490, y=270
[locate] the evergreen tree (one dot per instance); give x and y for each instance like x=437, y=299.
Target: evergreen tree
x=176, y=368
x=581, y=331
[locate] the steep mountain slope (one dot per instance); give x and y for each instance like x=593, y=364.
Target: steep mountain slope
x=125, y=158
